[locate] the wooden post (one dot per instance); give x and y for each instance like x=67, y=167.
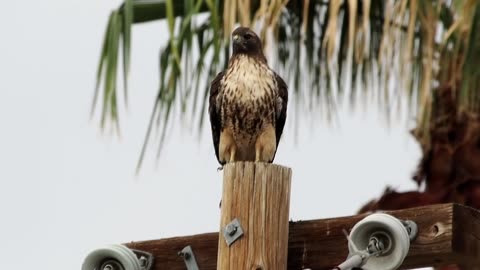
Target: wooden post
x=258, y=195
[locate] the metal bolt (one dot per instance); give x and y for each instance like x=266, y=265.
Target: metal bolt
x=185, y=255
x=375, y=245
x=231, y=229
x=111, y=265
x=143, y=261
x=108, y=267
x=412, y=229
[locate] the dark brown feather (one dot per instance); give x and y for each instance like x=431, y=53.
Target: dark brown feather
x=248, y=43
x=246, y=101
x=282, y=89
x=214, y=112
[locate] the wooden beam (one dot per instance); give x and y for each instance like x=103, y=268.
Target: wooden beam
x=258, y=196
x=466, y=240
x=448, y=233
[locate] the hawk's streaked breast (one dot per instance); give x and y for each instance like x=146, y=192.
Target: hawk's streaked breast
x=247, y=104
x=248, y=100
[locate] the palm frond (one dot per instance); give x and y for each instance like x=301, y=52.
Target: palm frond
x=118, y=34
x=391, y=52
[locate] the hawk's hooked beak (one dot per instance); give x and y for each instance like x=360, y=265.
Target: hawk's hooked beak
x=238, y=41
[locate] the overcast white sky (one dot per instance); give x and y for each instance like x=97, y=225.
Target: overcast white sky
x=65, y=189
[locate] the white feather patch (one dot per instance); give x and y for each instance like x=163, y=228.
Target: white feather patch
x=250, y=77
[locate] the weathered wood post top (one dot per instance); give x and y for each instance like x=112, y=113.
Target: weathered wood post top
x=254, y=217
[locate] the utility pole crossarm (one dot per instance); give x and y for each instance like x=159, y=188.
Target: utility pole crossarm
x=448, y=233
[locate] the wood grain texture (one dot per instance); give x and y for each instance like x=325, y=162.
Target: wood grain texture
x=320, y=244
x=466, y=240
x=258, y=195
x=448, y=234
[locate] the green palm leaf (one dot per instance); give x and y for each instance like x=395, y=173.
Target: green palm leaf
x=329, y=52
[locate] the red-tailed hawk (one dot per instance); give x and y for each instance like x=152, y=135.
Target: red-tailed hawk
x=248, y=104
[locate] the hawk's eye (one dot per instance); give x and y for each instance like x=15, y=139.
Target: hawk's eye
x=247, y=36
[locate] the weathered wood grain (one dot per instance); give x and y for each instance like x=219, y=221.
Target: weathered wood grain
x=448, y=233
x=258, y=195
x=466, y=237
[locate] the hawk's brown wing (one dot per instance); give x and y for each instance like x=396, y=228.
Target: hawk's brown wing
x=281, y=110
x=214, y=112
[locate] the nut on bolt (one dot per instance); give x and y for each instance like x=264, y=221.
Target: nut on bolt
x=185, y=255
x=231, y=229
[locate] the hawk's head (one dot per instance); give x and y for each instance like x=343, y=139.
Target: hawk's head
x=247, y=42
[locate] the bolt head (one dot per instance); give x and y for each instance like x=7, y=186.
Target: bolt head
x=185, y=255
x=380, y=245
x=143, y=261
x=108, y=267
x=231, y=229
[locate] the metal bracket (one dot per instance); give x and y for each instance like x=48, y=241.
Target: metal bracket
x=232, y=231
x=189, y=258
x=412, y=228
x=146, y=259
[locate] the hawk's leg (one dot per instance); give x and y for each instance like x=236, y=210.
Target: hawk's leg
x=258, y=151
x=227, y=147
x=265, y=145
x=233, y=151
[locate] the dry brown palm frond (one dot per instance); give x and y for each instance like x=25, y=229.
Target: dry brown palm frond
x=363, y=34
x=396, y=51
x=330, y=36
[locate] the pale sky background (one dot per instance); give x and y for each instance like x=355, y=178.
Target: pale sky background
x=65, y=189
